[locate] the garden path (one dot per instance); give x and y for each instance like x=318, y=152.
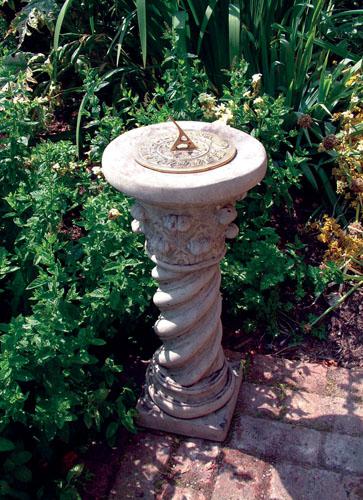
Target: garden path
x=297, y=434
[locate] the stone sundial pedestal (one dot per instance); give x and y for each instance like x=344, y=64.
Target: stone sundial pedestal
x=185, y=188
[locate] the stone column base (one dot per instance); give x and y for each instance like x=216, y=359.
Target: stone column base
x=214, y=426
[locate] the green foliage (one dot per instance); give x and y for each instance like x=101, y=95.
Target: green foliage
x=33, y=16
x=71, y=280
x=74, y=279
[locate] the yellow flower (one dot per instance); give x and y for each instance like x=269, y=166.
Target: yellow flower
x=113, y=214
x=351, y=81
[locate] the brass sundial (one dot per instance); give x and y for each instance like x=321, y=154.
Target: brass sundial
x=189, y=151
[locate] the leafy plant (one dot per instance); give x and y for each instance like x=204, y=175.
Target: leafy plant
x=75, y=283
x=66, y=260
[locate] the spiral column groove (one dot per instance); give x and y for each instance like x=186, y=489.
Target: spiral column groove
x=188, y=376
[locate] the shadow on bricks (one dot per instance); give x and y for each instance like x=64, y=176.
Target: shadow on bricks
x=297, y=434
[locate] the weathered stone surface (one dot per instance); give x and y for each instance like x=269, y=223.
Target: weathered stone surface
x=241, y=174
x=338, y=414
x=141, y=466
x=292, y=482
x=343, y=453
x=271, y=370
x=213, y=426
x=345, y=383
x=284, y=445
x=194, y=463
x=275, y=440
x=322, y=412
x=353, y=485
x=171, y=492
x=260, y=400
x=241, y=476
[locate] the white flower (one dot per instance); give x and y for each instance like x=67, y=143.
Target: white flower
x=256, y=78
x=258, y=101
x=207, y=99
x=256, y=82
x=220, y=109
x=97, y=171
x=226, y=116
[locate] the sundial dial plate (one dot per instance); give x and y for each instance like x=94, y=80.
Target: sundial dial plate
x=201, y=151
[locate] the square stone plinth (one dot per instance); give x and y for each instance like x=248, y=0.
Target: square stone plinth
x=214, y=426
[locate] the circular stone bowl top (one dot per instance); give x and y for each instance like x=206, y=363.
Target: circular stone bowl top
x=212, y=187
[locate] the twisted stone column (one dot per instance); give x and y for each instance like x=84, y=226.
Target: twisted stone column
x=188, y=376
x=190, y=387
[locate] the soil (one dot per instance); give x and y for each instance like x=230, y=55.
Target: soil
x=343, y=345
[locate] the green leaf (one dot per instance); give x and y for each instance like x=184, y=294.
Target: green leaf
x=59, y=23
x=21, y=457
x=23, y=474
x=6, y=445
x=234, y=29
x=207, y=15
x=141, y=20
x=82, y=107
x=111, y=430
x=74, y=472
x=35, y=15
x=309, y=175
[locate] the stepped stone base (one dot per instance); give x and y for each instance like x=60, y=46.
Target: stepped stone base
x=214, y=426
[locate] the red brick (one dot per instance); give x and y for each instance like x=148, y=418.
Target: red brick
x=276, y=440
x=259, y=400
x=143, y=460
x=303, y=408
x=171, y=492
x=345, y=383
x=240, y=476
x=194, y=463
x=271, y=370
x=322, y=413
x=292, y=482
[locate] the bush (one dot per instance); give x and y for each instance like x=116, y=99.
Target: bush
x=73, y=277
x=75, y=283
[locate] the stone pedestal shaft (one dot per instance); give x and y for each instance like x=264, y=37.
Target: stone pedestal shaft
x=188, y=376
x=190, y=387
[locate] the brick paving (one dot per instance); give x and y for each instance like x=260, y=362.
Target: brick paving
x=297, y=434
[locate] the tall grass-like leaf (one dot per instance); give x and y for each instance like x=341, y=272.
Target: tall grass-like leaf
x=234, y=29
x=179, y=23
x=59, y=23
x=193, y=10
x=207, y=15
x=327, y=186
x=82, y=107
x=57, y=31
x=310, y=176
x=120, y=35
x=141, y=19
